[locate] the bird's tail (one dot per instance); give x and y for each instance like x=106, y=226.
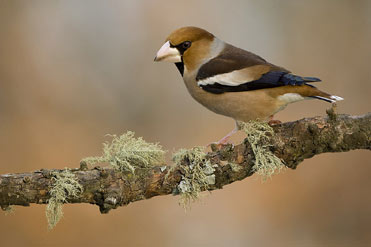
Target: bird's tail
x=309, y=91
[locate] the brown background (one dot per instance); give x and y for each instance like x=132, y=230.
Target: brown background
x=73, y=71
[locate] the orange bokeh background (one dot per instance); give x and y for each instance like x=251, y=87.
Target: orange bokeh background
x=73, y=71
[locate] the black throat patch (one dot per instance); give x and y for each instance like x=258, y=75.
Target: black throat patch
x=180, y=67
x=181, y=49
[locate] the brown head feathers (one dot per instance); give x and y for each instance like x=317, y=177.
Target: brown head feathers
x=188, y=34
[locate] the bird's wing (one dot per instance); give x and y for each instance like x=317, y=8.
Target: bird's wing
x=237, y=70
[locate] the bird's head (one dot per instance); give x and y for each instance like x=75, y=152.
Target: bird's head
x=188, y=45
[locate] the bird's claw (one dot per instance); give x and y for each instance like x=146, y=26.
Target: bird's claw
x=274, y=122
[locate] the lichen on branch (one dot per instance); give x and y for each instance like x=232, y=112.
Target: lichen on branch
x=193, y=171
x=126, y=153
x=259, y=135
x=197, y=174
x=8, y=210
x=64, y=185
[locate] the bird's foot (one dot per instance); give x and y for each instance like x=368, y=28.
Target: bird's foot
x=274, y=122
x=221, y=142
x=216, y=146
x=224, y=140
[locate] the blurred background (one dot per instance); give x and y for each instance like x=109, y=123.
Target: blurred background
x=73, y=71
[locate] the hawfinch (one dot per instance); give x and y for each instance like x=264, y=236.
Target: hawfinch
x=231, y=81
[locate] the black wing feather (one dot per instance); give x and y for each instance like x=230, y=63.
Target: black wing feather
x=269, y=80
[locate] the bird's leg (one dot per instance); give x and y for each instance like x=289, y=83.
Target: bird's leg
x=225, y=139
x=272, y=122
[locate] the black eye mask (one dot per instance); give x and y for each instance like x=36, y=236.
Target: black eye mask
x=182, y=47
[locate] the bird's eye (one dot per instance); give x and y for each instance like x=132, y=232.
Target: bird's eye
x=186, y=44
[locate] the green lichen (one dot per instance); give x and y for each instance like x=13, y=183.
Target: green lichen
x=64, y=185
x=126, y=153
x=8, y=210
x=235, y=167
x=258, y=135
x=197, y=174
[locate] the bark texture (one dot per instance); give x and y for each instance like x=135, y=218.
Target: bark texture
x=293, y=142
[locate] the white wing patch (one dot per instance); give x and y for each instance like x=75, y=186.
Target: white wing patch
x=236, y=77
x=233, y=78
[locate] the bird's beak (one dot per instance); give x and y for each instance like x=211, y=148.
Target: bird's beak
x=168, y=54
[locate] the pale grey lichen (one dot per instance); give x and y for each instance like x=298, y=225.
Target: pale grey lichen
x=64, y=185
x=8, y=210
x=126, y=153
x=235, y=167
x=198, y=174
x=258, y=135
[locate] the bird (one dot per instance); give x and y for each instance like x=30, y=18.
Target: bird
x=234, y=82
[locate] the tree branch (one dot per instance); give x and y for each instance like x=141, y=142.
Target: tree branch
x=108, y=188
